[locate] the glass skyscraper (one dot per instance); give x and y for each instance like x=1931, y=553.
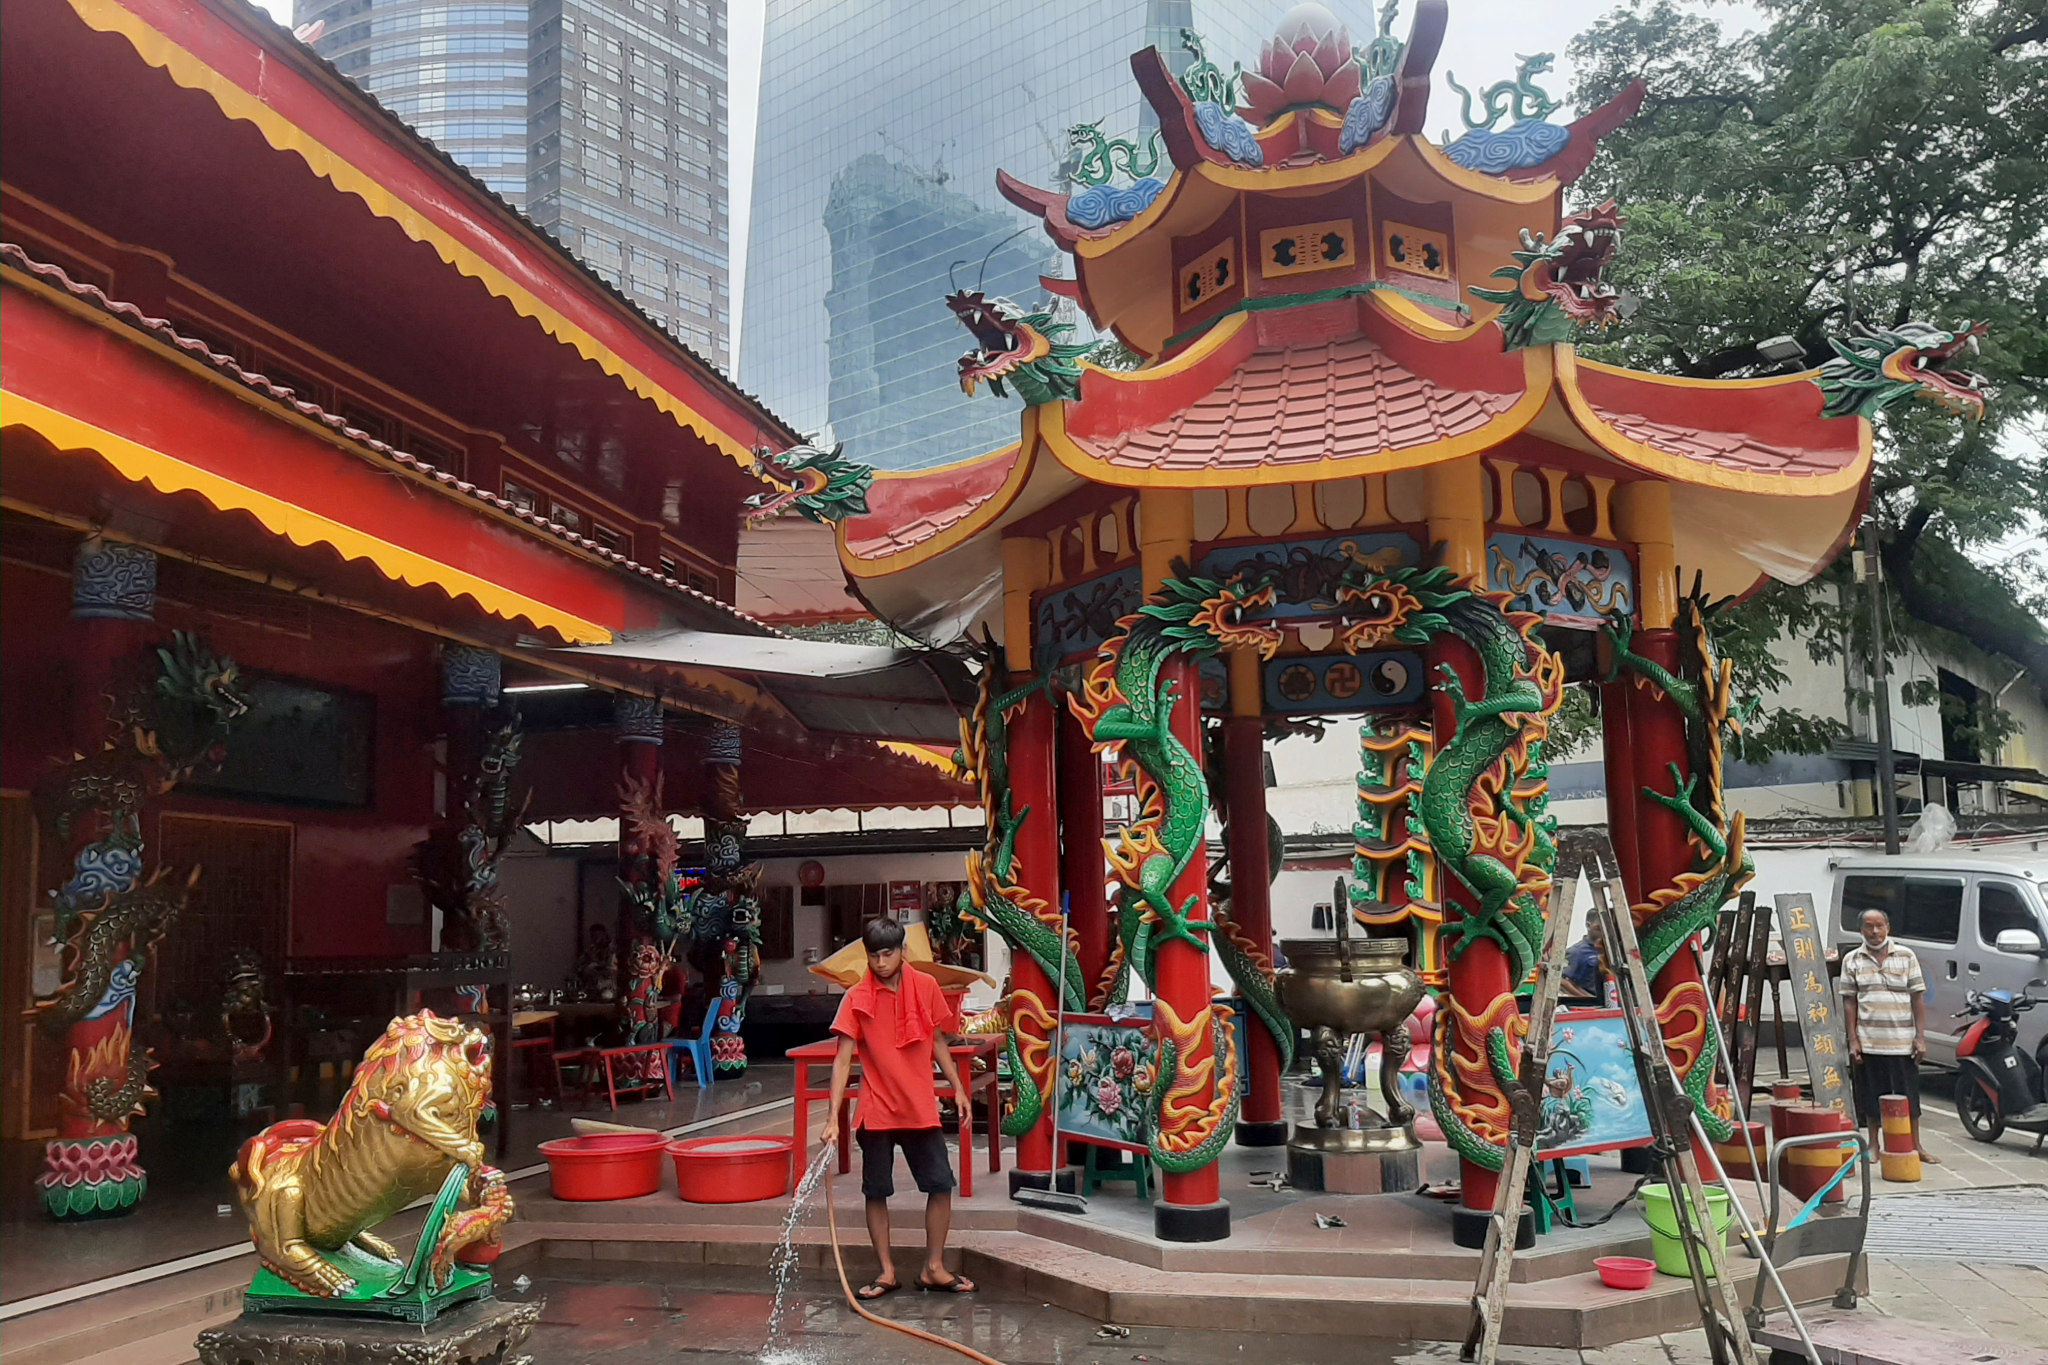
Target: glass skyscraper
x=605, y=122
x=882, y=125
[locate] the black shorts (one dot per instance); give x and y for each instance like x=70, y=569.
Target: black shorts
x=1877, y=1076
x=923, y=1148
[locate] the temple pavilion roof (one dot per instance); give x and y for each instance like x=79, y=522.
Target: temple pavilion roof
x=1314, y=291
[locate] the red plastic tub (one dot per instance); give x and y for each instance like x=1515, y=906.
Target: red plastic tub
x=1625, y=1272
x=606, y=1166
x=732, y=1170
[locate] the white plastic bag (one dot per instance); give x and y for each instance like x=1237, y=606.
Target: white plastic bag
x=1934, y=831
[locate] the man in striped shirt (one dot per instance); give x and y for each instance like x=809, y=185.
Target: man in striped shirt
x=1884, y=1004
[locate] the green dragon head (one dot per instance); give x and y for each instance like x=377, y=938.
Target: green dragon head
x=823, y=485
x=1875, y=367
x=1017, y=347
x=1556, y=286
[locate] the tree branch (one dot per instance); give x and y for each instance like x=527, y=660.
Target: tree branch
x=2035, y=32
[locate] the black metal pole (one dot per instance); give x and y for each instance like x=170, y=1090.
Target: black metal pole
x=1880, y=691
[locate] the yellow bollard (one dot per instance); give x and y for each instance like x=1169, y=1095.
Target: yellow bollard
x=1897, y=1159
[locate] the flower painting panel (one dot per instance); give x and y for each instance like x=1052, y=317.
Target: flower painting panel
x=1105, y=1081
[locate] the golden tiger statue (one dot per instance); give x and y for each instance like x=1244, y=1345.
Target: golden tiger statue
x=409, y=1117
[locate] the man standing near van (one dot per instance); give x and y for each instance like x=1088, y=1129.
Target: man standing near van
x=1884, y=1004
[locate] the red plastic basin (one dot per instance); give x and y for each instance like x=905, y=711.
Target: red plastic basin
x=1625, y=1272
x=607, y=1166
x=732, y=1170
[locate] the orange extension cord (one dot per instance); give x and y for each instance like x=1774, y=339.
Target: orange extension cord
x=832, y=1217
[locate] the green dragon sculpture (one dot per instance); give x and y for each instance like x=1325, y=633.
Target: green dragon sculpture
x=1125, y=704
x=1703, y=694
x=1480, y=803
x=1017, y=348
x=995, y=901
x=1874, y=367
x=823, y=485
x=1101, y=158
x=1555, y=288
x=1520, y=98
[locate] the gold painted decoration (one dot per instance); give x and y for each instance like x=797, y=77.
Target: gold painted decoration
x=310, y=1189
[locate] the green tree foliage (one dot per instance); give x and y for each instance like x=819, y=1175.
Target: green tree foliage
x=1856, y=160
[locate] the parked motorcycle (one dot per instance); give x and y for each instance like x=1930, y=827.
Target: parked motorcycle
x=1999, y=1086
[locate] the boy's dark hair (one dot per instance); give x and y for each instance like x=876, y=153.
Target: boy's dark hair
x=882, y=934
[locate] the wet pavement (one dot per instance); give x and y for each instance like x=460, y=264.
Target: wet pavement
x=613, y=1315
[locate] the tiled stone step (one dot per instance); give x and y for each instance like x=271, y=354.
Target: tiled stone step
x=141, y=1324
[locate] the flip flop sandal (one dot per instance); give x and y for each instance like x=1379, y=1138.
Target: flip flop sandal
x=959, y=1284
x=879, y=1291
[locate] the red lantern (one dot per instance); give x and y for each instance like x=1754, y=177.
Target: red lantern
x=810, y=874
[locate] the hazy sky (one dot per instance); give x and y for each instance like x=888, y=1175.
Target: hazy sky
x=1481, y=47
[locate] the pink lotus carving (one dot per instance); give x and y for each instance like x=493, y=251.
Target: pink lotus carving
x=1307, y=62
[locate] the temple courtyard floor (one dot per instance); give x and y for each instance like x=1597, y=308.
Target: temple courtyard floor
x=1966, y=1250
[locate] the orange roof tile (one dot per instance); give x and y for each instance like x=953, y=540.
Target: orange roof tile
x=1302, y=405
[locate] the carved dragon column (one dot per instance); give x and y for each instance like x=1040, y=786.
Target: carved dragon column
x=90, y=1168
x=1084, y=872
x=1653, y=740
x=730, y=878
x=1191, y=1208
x=641, y=728
x=1480, y=980
x=1034, y=797
x=1251, y=900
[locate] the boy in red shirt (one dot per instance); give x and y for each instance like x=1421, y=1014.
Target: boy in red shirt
x=895, y=1021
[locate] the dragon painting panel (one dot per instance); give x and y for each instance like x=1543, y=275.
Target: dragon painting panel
x=1566, y=582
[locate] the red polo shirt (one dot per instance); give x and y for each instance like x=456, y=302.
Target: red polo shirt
x=892, y=1031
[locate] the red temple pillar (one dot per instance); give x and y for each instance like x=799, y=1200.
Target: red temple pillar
x=1260, y=1123
x=1481, y=981
x=1084, y=871
x=1034, y=784
x=1654, y=741
x=90, y=1169
x=1191, y=1207
x=1617, y=757
x=1034, y=795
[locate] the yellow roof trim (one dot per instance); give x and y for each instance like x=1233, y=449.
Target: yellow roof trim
x=141, y=464
x=189, y=71
x=1537, y=376
x=1679, y=469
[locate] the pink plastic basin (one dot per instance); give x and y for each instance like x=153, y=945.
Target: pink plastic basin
x=607, y=1166
x=732, y=1170
x=1625, y=1272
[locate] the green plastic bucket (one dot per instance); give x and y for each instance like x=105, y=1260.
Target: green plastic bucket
x=1667, y=1248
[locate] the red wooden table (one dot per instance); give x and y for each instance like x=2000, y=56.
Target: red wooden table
x=821, y=1054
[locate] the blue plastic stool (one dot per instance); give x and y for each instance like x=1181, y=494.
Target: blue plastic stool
x=698, y=1048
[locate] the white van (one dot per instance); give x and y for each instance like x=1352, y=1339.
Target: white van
x=1950, y=909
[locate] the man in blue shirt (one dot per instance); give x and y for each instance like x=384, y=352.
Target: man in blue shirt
x=1584, y=967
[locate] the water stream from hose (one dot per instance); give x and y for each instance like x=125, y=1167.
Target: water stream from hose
x=783, y=1264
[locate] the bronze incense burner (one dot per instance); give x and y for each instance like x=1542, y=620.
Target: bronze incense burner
x=1341, y=988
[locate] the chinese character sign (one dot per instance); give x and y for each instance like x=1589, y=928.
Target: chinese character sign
x=1814, y=1003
